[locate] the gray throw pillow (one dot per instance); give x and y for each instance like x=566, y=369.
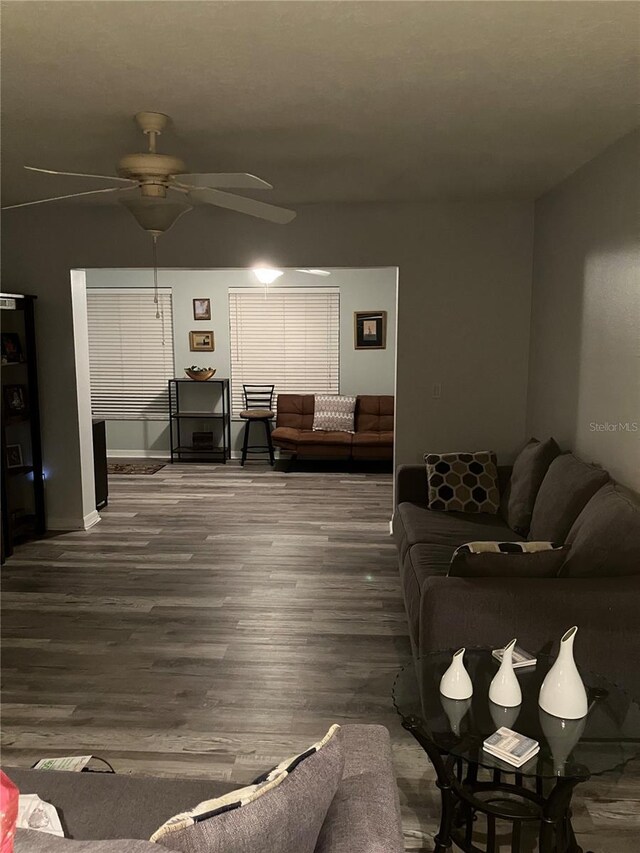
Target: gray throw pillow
x=567, y=487
x=463, y=482
x=333, y=413
x=527, y=475
x=605, y=539
x=508, y=560
x=33, y=841
x=282, y=811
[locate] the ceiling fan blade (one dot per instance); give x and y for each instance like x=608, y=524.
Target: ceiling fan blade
x=70, y=195
x=315, y=272
x=243, y=205
x=80, y=175
x=228, y=180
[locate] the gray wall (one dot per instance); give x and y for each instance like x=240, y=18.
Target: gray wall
x=463, y=306
x=361, y=371
x=584, y=379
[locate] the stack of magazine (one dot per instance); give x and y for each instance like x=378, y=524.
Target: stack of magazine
x=520, y=657
x=509, y=746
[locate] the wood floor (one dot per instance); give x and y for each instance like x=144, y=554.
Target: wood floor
x=218, y=619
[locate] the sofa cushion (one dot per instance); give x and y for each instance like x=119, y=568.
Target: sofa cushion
x=527, y=475
x=413, y=524
x=34, y=841
x=508, y=560
x=333, y=412
x=309, y=436
x=285, y=813
x=421, y=562
x=567, y=487
x=289, y=435
x=463, y=482
x=121, y=806
x=605, y=537
x=295, y=410
x=373, y=439
x=374, y=413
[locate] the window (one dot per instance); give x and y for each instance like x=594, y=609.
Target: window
x=287, y=336
x=130, y=353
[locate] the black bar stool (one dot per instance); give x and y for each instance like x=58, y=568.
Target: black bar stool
x=258, y=400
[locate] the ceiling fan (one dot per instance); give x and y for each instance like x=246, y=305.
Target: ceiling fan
x=153, y=175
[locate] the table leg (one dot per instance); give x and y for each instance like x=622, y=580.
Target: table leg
x=555, y=825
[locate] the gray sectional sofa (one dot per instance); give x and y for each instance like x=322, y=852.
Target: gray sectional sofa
x=598, y=587
x=364, y=815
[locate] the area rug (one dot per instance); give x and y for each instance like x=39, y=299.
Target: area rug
x=133, y=468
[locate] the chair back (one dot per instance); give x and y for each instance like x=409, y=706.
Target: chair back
x=258, y=396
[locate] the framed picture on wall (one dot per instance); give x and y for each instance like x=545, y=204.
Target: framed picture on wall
x=201, y=309
x=15, y=399
x=370, y=329
x=201, y=341
x=14, y=456
x=11, y=348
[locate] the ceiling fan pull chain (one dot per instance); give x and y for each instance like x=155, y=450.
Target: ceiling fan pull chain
x=154, y=237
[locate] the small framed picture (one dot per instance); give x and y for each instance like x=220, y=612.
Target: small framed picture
x=201, y=341
x=15, y=399
x=201, y=309
x=14, y=456
x=370, y=329
x=11, y=348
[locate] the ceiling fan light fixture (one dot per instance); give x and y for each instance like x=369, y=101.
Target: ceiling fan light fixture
x=155, y=215
x=266, y=275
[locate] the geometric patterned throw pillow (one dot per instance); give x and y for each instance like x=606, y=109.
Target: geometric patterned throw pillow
x=508, y=559
x=270, y=808
x=463, y=482
x=334, y=412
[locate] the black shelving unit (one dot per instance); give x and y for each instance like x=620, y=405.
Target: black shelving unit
x=208, y=402
x=23, y=510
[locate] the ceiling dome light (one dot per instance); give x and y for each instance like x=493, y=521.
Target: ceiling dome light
x=266, y=275
x=155, y=215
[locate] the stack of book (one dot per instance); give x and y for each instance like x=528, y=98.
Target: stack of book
x=520, y=657
x=509, y=746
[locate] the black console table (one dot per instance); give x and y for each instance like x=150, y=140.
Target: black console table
x=207, y=402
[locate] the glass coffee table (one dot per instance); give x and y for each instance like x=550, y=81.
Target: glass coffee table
x=571, y=751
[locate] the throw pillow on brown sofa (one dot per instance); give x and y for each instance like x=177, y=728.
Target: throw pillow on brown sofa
x=283, y=810
x=508, y=559
x=463, y=482
x=527, y=475
x=333, y=413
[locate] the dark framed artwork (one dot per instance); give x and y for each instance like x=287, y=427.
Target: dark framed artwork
x=201, y=309
x=14, y=456
x=11, y=348
x=370, y=329
x=15, y=399
x=201, y=342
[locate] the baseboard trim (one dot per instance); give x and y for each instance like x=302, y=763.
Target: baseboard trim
x=57, y=523
x=138, y=454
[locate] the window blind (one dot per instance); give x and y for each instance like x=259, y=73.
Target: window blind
x=288, y=337
x=130, y=353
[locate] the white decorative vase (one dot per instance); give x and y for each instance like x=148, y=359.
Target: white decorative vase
x=504, y=690
x=455, y=683
x=562, y=693
x=455, y=709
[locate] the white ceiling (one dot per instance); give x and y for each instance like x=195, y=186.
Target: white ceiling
x=330, y=101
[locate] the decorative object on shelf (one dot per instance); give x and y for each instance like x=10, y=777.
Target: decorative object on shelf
x=15, y=399
x=455, y=709
x=562, y=736
x=455, y=683
x=370, y=329
x=202, y=440
x=200, y=374
x=503, y=716
x=562, y=693
x=14, y=456
x=504, y=689
x=11, y=348
x=201, y=309
x=201, y=341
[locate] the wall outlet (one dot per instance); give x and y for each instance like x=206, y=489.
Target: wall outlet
x=436, y=391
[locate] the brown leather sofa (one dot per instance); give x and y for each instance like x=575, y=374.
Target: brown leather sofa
x=372, y=439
